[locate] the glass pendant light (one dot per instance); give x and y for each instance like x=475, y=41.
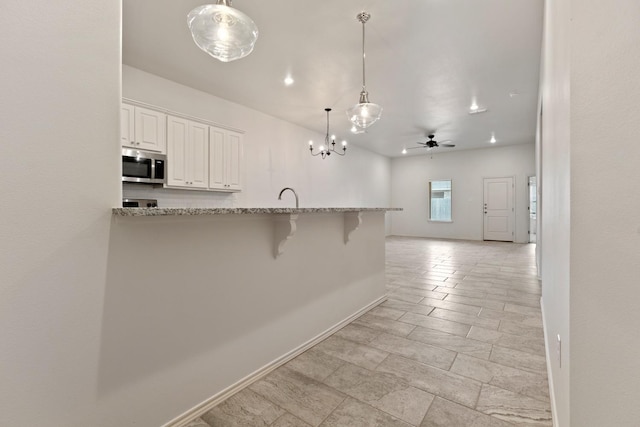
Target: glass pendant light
x=364, y=113
x=222, y=31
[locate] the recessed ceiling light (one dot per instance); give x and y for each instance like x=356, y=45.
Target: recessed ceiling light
x=514, y=94
x=404, y=151
x=288, y=81
x=474, y=106
x=478, y=111
x=493, y=139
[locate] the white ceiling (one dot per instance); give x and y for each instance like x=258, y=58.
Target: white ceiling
x=427, y=60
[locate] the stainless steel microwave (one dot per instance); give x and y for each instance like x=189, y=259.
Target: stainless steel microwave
x=143, y=167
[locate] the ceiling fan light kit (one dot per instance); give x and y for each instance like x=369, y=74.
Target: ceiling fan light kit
x=364, y=113
x=329, y=143
x=222, y=31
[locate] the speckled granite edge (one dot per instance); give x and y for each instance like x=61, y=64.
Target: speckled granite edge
x=226, y=211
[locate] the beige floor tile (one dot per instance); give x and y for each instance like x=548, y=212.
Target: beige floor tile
x=412, y=349
x=449, y=305
x=522, y=309
x=437, y=324
x=352, y=352
x=462, y=292
x=530, y=384
x=518, y=328
x=513, y=407
x=243, y=408
x=477, y=302
x=353, y=413
x=386, y=312
x=413, y=308
x=386, y=325
x=469, y=319
x=401, y=294
x=444, y=413
x=288, y=420
x=452, y=342
x=315, y=364
x=307, y=399
x=358, y=333
x=420, y=284
x=488, y=313
x=382, y=391
x=433, y=380
x=518, y=359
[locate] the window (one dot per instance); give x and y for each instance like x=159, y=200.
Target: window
x=440, y=200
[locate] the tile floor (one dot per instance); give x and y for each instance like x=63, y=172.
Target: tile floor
x=458, y=343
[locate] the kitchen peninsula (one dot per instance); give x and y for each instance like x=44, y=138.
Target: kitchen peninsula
x=246, y=288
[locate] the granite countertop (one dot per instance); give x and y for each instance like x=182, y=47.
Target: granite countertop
x=225, y=211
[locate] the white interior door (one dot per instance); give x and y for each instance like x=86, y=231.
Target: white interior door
x=499, y=212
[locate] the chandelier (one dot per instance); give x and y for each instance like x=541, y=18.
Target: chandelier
x=222, y=31
x=364, y=113
x=329, y=144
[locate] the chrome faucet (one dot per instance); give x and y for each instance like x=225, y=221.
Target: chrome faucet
x=292, y=190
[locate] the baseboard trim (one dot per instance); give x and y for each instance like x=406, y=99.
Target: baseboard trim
x=552, y=396
x=193, y=413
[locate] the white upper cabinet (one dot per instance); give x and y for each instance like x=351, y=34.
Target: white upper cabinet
x=127, y=134
x=225, y=160
x=199, y=156
x=143, y=128
x=187, y=153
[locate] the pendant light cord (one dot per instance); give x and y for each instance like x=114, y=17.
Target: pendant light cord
x=363, y=57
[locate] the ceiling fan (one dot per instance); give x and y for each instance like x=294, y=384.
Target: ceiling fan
x=431, y=143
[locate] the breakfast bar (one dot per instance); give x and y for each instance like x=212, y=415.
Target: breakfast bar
x=244, y=288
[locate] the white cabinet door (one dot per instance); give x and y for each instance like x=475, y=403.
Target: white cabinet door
x=217, y=180
x=225, y=160
x=187, y=153
x=150, y=129
x=127, y=134
x=198, y=155
x=177, y=137
x=234, y=161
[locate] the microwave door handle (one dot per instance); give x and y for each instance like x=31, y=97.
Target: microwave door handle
x=153, y=169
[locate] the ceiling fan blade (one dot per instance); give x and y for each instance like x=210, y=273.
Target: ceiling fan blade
x=447, y=145
x=413, y=148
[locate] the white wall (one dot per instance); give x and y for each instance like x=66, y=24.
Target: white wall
x=410, y=183
x=555, y=209
x=276, y=155
x=591, y=248
x=605, y=213
x=60, y=94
